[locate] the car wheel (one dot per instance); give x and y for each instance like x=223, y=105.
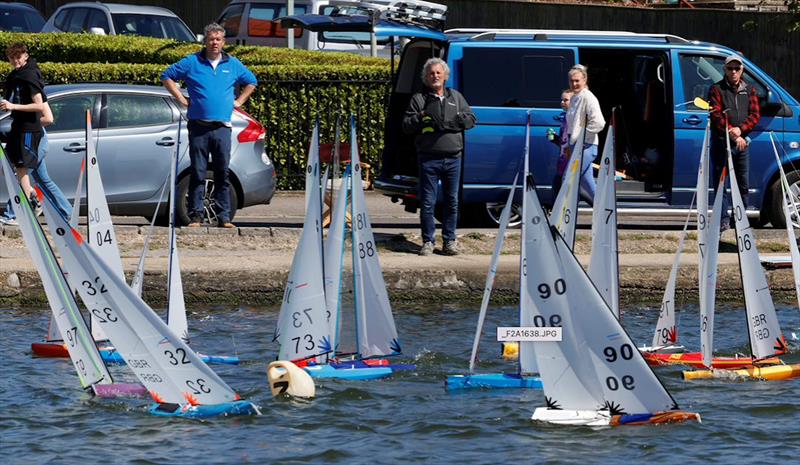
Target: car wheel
x=210, y=208
x=776, y=200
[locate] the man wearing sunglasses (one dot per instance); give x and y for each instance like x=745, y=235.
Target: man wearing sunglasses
x=734, y=114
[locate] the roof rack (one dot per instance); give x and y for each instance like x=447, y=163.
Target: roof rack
x=547, y=34
x=427, y=14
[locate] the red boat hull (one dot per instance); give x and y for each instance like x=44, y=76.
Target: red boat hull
x=695, y=359
x=49, y=349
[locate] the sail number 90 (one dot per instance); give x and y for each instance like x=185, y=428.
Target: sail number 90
x=559, y=287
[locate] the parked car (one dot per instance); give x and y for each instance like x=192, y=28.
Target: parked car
x=135, y=129
x=20, y=17
x=249, y=22
x=119, y=19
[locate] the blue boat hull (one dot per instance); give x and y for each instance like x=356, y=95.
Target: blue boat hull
x=112, y=356
x=347, y=373
x=492, y=381
x=239, y=407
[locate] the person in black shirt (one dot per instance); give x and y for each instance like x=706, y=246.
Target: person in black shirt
x=438, y=118
x=23, y=96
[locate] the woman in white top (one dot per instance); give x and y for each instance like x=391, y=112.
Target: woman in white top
x=584, y=114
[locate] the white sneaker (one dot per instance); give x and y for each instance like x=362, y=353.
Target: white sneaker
x=8, y=221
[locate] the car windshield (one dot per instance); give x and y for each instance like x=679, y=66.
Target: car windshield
x=162, y=27
x=20, y=21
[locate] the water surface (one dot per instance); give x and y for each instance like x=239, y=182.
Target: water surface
x=46, y=418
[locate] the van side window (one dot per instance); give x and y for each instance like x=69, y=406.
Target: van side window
x=342, y=36
x=515, y=77
x=700, y=72
x=231, y=18
x=259, y=22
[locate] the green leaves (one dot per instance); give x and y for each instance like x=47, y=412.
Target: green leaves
x=295, y=87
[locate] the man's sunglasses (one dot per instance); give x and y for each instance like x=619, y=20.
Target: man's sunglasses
x=733, y=68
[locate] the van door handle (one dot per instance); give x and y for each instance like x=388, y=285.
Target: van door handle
x=694, y=120
x=75, y=147
x=166, y=142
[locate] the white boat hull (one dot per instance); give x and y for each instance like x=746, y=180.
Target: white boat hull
x=572, y=417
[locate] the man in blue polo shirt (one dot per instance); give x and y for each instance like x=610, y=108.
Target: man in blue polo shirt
x=210, y=76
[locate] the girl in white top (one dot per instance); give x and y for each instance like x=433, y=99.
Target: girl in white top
x=584, y=113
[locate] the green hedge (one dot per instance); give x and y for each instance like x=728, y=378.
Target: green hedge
x=89, y=48
x=295, y=87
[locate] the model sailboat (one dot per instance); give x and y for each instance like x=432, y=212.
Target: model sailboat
x=604, y=262
x=766, y=338
x=176, y=378
x=310, y=318
x=82, y=351
x=594, y=375
x=708, y=226
x=524, y=378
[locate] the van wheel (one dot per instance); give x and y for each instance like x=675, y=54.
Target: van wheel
x=776, y=200
x=210, y=208
x=495, y=209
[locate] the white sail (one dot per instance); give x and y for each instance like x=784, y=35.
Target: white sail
x=334, y=260
x=708, y=248
x=101, y=236
x=564, y=215
x=604, y=262
x=766, y=338
x=375, y=329
x=666, y=327
x=176, y=306
x=628, y=384
x=487, y=289
x=67, y=318
x=566, y=372
x=789, y=210
x=302, y=330
x=138, y=275
x=165, y=365
x=527, y=353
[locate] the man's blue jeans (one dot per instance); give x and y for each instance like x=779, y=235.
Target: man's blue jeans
x=205, y=139
x=432, y=169
x=42, y=179
x=741, y=166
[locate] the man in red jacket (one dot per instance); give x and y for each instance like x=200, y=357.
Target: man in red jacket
x=734, y=114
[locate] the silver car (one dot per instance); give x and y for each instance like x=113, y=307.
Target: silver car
x=135, y=130
x=119, y=19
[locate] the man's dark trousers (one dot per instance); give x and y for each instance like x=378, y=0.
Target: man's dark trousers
x=204, y=139
x=434, y=168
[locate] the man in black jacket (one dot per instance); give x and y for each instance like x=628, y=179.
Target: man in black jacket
x=438, y=118
x=734, y=114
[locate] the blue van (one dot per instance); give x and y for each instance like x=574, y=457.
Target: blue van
x=650, y=79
